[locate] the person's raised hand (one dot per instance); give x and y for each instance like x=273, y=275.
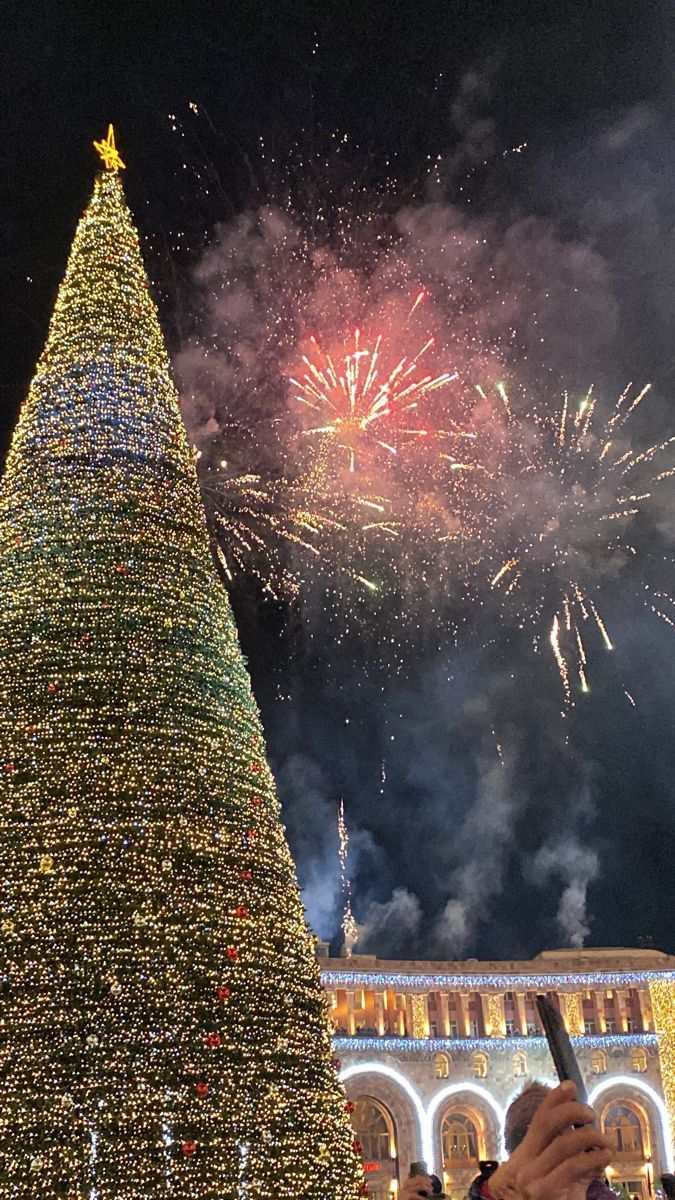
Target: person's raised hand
x=555, y=1160
x=416, y=1187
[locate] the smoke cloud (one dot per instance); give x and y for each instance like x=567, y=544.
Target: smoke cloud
x=391, y=928
x=577, y=866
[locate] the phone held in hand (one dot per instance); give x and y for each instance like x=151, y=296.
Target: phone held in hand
x=420, y=1168
x=564, y=1058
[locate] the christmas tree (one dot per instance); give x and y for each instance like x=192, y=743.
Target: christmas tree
x=164, y=1033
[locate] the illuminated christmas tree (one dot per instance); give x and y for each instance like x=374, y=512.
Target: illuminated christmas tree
x=164, y=1033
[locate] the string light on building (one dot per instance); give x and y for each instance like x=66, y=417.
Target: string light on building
x=536, y=981
x=609, y=1041
x=420, y=1021
x=574, y=1014
x=496, y=1023
x=662, y=996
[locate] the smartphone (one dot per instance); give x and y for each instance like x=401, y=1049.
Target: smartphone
x=559, y=1044
x=420, y=1168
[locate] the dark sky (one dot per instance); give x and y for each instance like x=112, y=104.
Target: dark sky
x=589, y=88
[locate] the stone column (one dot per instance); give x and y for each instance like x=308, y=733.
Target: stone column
x=445, y=1014
x=521, y=1014
x=646, y=1014
x=351, y=1023
x=621, y=1009
x=463, y=1014
x=379, y=1013
x=599, y=1007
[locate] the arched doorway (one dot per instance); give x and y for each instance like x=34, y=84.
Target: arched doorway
x=652, y=1132
x=374, y=1128
x=626, y=1125
x=463, y=1143
x=465, y=1122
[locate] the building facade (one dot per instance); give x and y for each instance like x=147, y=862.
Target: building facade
x=432, y=1054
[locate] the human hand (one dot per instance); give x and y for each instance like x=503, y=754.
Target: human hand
x=416, y=1186
x=555, y=1160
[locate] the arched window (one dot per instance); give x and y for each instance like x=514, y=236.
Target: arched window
x=480, y=1063
x=374, y=1129
x=622, y=1125
x=519, y=1064
x=598, y=1062
x=638, y=1059
x=441, y=1065
x=459, y=1138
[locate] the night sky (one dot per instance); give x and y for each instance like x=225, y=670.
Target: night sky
x=574, y=828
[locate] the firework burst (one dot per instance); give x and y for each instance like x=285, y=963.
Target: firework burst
x=366, y=401
x=554, y=499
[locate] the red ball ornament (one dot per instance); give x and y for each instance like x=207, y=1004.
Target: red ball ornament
x=349, y=1106
x=9, y=768
x=252, y=834
x=241, y=911
x=336, y=1062
x=213, y=1040
x=51, y=687
x=246, y=876
x=32, y=729
x=256, y=768
x=120, y=568
x=189, y=1148
x=223, y=993
x=257, y=800
x=232, y=953
x=357, y=1147
x=202, y=1089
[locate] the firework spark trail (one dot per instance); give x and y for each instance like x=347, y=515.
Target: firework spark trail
x=656, y=609
x=349, y=927
x=257, y=522
x=554, y=639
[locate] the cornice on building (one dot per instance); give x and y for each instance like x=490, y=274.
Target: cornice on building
x=551, y=969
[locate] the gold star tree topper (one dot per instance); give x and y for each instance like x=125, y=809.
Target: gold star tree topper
x=108, y=152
